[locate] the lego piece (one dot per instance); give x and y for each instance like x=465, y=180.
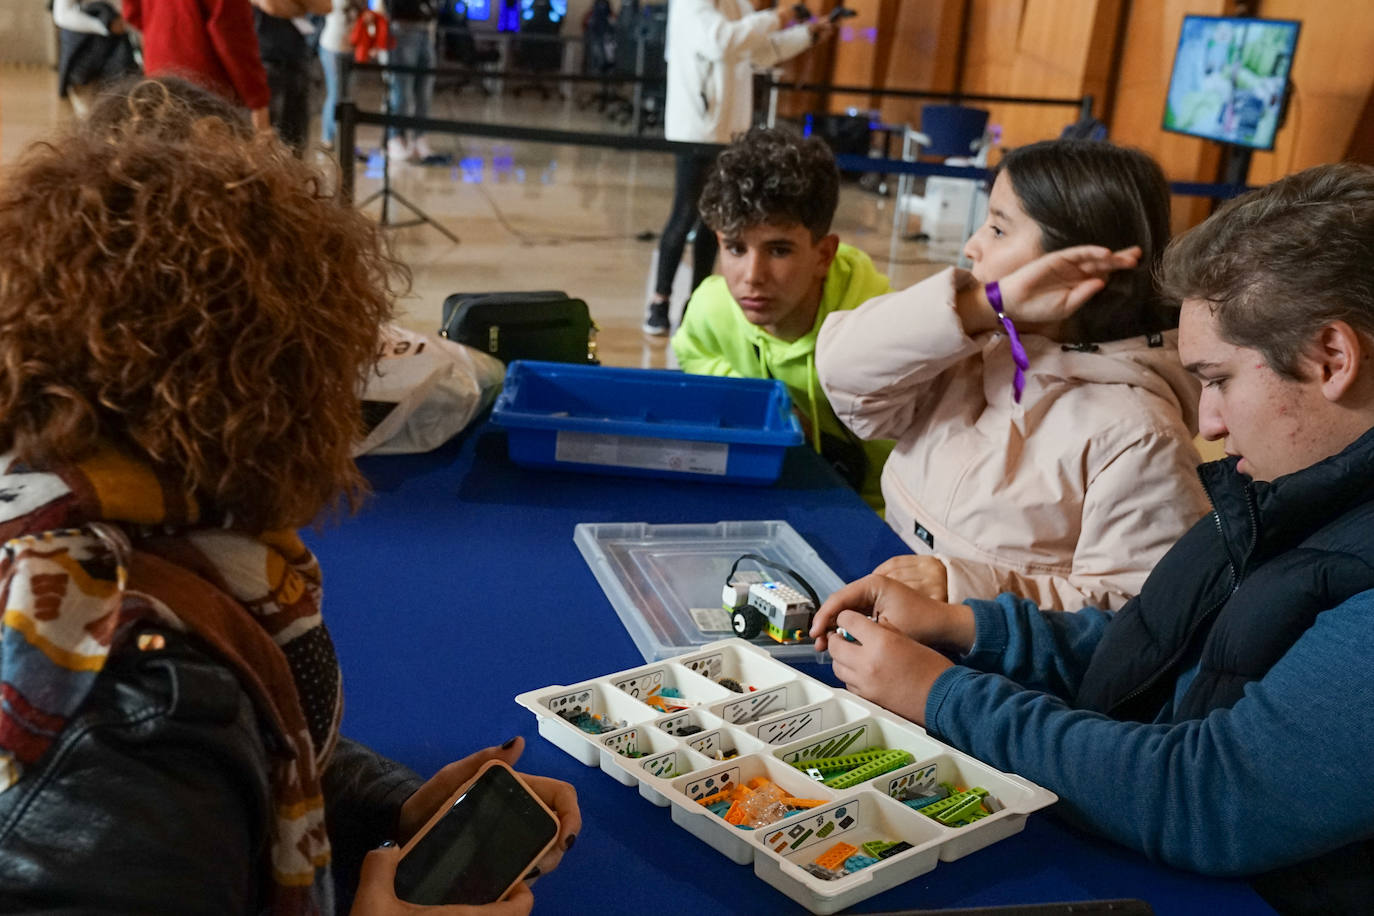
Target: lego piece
x=883, y=764
x=721, y=796
x=825, y=874
x=803, y=802
x=764, y=805
x=831, y=766
x=875, y=848
x=970, y=808
x=833, y=858
x=858, y=861
x=730, y=683
x=959, y=801
x=894, y=850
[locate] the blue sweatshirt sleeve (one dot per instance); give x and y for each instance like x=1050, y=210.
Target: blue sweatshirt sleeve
x=1280, y=777
x=1042, y=650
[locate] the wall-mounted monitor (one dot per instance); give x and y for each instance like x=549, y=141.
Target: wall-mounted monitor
x=1230, y=79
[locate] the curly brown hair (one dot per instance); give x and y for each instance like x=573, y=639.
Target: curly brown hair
x=772, y=175
x=176, y=286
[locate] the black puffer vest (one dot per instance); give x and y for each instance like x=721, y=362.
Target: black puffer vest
x=1244, y=584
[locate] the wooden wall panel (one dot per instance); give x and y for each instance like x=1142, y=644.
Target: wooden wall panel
x=1063, y=49
x=924, y=54
x=1333, y=72
x=814, y=66
x=1152, y=31
x=861, y=49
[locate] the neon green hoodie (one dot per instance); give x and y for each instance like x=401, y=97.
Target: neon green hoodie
x=716, y=339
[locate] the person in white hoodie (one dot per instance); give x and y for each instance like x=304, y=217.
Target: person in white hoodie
x=1067, y=492
x=713, y=48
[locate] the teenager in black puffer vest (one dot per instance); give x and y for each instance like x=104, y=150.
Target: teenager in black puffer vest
x=1223, y=720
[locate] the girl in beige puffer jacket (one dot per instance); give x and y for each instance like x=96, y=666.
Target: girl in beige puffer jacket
x=1071, y=494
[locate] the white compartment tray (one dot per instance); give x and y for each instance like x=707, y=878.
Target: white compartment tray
x=675, y=758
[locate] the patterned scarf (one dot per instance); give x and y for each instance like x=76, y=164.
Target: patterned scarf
x=91, y=549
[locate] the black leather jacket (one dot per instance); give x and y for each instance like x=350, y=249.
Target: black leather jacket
x=155, y=797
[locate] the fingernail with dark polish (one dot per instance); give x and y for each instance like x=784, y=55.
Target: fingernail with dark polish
x=509, y=744
x=572, y=838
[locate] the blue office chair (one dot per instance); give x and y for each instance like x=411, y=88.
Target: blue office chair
x=950, y=207
x=951, y=130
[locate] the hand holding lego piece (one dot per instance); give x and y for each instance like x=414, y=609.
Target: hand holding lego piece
x=885, y=667
x=898, y=607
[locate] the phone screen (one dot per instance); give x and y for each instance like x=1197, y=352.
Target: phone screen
x=486, y=840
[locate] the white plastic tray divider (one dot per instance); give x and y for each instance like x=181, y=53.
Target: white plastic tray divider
x=856, y=818
x=591, y=697
x=803, y=721
x=864, y=734
x=740, y=660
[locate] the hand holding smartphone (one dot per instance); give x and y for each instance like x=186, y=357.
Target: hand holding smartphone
x=480, y=843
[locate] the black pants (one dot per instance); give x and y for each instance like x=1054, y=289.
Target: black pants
x=289, y=109
x=690, y=178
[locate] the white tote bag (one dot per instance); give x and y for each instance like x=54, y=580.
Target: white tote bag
x=423, y=391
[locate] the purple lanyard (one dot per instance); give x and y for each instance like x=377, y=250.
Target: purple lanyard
x=1018, y=352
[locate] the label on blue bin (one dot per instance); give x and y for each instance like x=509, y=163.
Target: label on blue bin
x=681, y=455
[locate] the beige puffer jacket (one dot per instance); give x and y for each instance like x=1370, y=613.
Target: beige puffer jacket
x=1068, y=498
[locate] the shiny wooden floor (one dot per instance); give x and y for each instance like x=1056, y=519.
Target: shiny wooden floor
x=528, y=216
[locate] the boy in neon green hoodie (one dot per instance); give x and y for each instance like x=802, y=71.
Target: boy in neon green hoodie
x=770, y=199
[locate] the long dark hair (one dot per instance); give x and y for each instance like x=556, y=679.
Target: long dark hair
x=1083, y=192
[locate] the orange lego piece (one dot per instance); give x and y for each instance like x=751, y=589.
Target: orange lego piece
x=802, y=802
x=758, y=782
x=726, y=794
x=736, y=814
x=834, y=857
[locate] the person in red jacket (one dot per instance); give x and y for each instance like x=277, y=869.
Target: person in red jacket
x=210, y=42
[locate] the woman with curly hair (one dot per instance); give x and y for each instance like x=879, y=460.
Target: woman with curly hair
x=185, y=318
x=1061, y=470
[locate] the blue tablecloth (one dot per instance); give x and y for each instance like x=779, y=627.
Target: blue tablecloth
x=459, y=586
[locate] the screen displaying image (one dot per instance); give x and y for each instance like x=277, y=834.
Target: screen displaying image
x=1229, y=79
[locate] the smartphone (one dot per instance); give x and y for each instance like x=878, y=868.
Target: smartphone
x=480, y=842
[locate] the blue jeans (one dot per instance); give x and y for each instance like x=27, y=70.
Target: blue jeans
x=336, y=79
x=410, y=92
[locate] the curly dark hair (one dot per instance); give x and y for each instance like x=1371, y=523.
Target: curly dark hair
x=181, y=288
x=769, y=175
x=1086, y=192
x=1281, y=262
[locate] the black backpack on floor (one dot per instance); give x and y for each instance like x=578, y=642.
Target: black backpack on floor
x=546, y=324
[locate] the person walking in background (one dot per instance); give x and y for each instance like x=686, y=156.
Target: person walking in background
x=209, y=42
x=335, y=52
x=94, y=50
x=412, y=45
x=713, y=48
x=286, y=59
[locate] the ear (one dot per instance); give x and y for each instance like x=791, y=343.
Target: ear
x=1338, y=356
x=826, y=249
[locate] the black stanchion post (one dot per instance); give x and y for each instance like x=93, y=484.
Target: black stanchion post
x=638, y=113
x=346, y=114
x=1085, y=108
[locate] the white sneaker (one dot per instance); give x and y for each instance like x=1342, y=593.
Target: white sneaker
x=397, y=150
x=421, y=149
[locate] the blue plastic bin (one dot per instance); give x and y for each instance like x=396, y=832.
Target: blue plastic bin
x=646, y=422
